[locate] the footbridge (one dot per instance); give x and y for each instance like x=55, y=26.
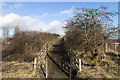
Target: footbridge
x=56, y=60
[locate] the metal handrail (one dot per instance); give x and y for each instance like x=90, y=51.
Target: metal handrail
x=43, y=52
x=73, y=55
x=75, y=61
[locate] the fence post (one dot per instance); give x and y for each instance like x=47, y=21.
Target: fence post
x=70, y=67
x=35, y=63
x=115, y=47
x=106, y=47
x=46, y=68
x=80, y=65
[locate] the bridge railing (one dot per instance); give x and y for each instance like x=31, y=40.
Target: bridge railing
x=111, y=48
x=75, y=62
x=75, y=59
x=41, y=58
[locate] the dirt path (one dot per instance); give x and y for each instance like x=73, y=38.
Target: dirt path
x=55, y=53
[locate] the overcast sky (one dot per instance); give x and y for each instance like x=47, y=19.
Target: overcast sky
x=45, y=16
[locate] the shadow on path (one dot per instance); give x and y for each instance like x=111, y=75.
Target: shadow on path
x=58, y=66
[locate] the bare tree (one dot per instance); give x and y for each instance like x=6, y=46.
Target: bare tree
x=5, y=32
x=86, y=30
x=16, y=29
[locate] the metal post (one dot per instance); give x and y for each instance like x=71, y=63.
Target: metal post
x=46, y=68
x=80, y=65
x=106, y=47
x=35, y=63
x=70, y=67
x=115, y=47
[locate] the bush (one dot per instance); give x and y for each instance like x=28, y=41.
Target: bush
x=26, y=43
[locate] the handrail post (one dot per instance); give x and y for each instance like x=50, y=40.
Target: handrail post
x=80, y=65
x=70, y=67
x=115, y=50
x=46, y=68
x=35, y=63
x=106, y=47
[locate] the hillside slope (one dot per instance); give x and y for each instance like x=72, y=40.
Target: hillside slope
x=19, y=54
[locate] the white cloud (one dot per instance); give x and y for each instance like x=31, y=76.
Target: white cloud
x=56, y=27
x=0, y=8
x=41, y=16
x=6, y=8
x=44, y=15
x=67, y=11
x=17, y=5
x=29, y=23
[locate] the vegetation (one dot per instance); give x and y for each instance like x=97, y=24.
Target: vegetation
x=88, y=29
x=87, y=32
x=20, y=50
x=25, y=44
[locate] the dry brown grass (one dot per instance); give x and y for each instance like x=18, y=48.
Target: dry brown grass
x=106, y=68
x=14, y=69
x=18, y=56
